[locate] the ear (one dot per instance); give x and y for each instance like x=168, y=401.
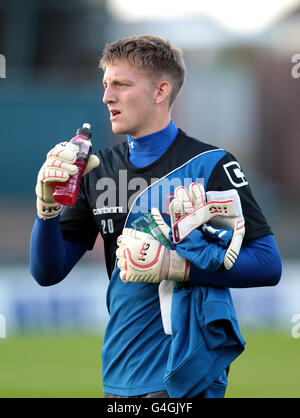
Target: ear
x=163, y=90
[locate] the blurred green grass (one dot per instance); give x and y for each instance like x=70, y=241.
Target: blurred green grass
x=268, y=368
x=69, y=366
x=50, y=366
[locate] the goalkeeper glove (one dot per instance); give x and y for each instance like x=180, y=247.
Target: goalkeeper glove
x=189, y=211
x=236, y=223
x=58, y=167
x=206, y=247
x=141, y=258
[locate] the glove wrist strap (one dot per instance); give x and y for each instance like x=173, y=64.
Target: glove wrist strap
x=179, y=268
x=47, y=210
x=201, y=215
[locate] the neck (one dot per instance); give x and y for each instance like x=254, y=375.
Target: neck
x=154, y=126
x=145, y=150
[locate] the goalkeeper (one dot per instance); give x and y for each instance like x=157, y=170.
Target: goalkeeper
x=209, y=251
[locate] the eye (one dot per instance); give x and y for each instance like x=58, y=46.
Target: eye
x=122, y=84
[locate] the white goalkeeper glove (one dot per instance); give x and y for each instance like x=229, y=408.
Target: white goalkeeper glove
x=189, y=210
x=236, y=223
x=58, y=167
x=141, y=258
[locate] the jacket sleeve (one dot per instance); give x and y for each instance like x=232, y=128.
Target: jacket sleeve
x=51, y=257
x=258, y=264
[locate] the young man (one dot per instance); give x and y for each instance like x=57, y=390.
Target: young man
x=150, y=350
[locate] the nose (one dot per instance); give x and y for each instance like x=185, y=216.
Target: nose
x=109, y=96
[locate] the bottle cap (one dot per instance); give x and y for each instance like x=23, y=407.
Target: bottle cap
x=85, y=130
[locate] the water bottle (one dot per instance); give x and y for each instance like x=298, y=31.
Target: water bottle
x=66, y=193
x=147, y=224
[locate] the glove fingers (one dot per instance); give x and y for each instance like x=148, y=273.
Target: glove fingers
x=235, y=245
x=93, y=162
x=121, y=264
x=176, y=210
x=49, y=175
x=123, y=241
x=133, y=233
x=119, y=251
x=197, y=194
x=60, y=165
x=65, y=151
x=182, y=194
x=123, y=274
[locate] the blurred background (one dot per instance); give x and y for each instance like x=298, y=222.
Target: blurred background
x=242, y=93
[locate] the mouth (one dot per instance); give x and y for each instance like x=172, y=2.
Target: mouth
x=114, y=114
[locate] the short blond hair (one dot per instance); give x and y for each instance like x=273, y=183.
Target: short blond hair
x=150, y=54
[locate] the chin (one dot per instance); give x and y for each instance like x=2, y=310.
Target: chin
x=116, y=128
x=119, y=130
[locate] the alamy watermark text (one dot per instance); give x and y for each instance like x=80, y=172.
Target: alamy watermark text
x=2, y=66
x=2, y=326
x=296, y=68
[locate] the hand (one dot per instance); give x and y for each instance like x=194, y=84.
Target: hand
x=141, y=258
x=182, y=204
x=189, y=210
x=58, y=167
x=236, y=223
x=205, y=247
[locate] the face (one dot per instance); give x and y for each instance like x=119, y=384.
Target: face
x=130, y=98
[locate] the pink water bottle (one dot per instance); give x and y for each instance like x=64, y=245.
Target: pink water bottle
x=67, y=193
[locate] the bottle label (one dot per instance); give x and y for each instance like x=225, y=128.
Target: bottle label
x=84, y=148
x=147, y=224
